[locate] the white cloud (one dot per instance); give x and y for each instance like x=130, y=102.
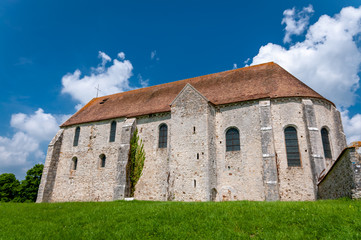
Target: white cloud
x=14, y=151
x=352, y=126
x=246, y=62
x=235, y=66
x=112, y=79
x=121, y=55
x=154, y=56
x=18, y=152
x=41, y=126
x=143, y=83
x=328, y=60
x=296, y=22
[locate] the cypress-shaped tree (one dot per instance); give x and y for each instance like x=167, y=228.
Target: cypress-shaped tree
x=136, y=161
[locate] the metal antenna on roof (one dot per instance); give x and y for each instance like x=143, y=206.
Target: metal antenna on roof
x=98, y=89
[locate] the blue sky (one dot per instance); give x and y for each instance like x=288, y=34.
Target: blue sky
x=51, y=55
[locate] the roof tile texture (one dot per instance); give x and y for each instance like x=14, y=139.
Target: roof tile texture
x=267, y=80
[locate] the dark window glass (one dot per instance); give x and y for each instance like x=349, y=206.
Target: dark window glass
x=102, y=160
x=293, y=153
x=75, y=163
x=232, y=140
x=163, y=132
x=113, y=130
x=326, y=143
x=76, y=137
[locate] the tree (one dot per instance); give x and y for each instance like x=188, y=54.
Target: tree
x=8, y=187
x=29, y=187
x=136, y=161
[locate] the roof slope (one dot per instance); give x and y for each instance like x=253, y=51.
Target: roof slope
x=267, y=80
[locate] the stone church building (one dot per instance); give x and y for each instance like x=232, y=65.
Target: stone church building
x=254, y=133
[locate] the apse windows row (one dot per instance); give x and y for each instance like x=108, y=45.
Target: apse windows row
x=102, y=160
x=291, y=141
x=292, y=148
x=113, y=131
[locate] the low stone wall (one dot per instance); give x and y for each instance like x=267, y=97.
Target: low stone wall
x=344, y=177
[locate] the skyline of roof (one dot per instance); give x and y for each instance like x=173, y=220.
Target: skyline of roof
x=267, y=80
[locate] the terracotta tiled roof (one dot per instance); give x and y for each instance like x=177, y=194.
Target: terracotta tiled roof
x=267, y=80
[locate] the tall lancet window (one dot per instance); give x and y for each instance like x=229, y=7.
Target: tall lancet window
x=113, y=131
x=293, y=152
x=326, y=143
x=163, y=136
x=232, y=140
x=76, y=136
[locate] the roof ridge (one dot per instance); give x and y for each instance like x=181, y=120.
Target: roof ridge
x=187, y=79
x=266, y=80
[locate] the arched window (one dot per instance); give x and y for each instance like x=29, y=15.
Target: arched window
x=76, y=136
x=113, y=130
x=232, y=140
x=163, y=136
x=326, y=143
x=74, y=163
x=293, y=153
x=102, y=160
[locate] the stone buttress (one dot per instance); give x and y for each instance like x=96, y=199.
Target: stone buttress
x=318, y=165
x=49, y=173
x=121, y=189
x=192, y=158
x=270, y=174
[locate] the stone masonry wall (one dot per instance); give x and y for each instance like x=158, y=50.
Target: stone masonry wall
x=153, y=184
x=50, y=168
x=295, y=183
x=239, y=173
x=195, y=165
x=89, y=182
x=344, y=178
x=328, y=117
x=190, y=171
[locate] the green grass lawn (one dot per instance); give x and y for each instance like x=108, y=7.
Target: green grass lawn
x=337, y=219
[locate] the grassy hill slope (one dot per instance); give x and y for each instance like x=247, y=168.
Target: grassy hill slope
x=338, y=219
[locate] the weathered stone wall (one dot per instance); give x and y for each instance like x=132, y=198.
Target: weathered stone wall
x=122, y=179
x=89, y=182
x=239, y=173
x=295, y=183
x=153, y=184
x=195, y=166
x=270, y=171
x=344, y=177
x=328, y=117
x=50, y=168
x=356, y=165
x=189, y=147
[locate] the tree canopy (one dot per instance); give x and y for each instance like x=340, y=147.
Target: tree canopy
x=11, y=190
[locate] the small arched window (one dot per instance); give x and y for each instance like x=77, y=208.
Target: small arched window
x=232, y=140
x=74, y=163
x=293, y=153
x=326, y=143
x=102, y=158
x=163, y=136
x=76, y=136
x=113, y=130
